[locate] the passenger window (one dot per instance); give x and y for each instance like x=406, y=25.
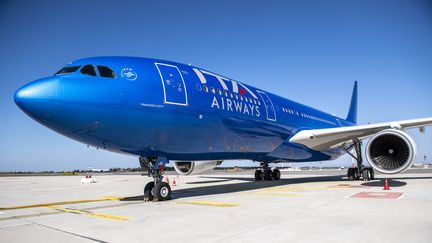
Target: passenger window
x=67, y=70
x=106, y=72
x=88, y=70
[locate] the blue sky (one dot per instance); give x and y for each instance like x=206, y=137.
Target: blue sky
x=308, y=51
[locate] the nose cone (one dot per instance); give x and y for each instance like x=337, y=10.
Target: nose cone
x=34, y=97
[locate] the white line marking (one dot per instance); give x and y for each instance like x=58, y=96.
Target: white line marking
x=200, y=76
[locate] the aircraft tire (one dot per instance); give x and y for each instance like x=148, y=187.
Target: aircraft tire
x=356, y=175
x=162, y=191
x=268, y=175
x=350, y=174
x=258, y=175
x=276, y=174
x=366, y=174
x=372, y=173
x=148, y=191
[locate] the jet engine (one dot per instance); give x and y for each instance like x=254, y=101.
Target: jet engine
x=391, y=151
x=195, y=167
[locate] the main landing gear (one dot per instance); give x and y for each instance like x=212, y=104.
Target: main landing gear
x=267, y=173
x=359, y=172
x=157, y=190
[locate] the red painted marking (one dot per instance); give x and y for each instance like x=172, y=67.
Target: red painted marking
x=242, y=91
x=378, y=195
x=347, y=186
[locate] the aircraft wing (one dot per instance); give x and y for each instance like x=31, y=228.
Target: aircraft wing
x=323, y=139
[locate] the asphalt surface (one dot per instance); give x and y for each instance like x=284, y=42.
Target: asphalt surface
x=304, y=206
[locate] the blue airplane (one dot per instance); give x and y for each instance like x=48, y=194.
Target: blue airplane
x=165, y=111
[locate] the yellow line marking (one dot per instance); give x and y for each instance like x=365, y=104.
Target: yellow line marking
x=206, y=203
x=285, y=189
x=60, y=212
x=63, y=203
x=272, y=194
x=278, y=190
x=28, y=215
x=91, y=214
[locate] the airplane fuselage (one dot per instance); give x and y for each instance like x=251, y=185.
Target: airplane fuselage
x=160, y=108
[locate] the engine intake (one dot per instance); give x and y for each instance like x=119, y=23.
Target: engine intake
x=195, y=167
x=391, y=151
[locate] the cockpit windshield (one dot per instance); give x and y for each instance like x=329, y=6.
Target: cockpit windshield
x=67, y=69
x=106, y=72
x=88, y=70
x=103, y=71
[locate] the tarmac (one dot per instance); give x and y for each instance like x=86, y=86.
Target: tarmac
x=311, y=206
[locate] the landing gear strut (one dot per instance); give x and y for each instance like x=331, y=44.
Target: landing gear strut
x=365, y=173
x=267, y=173
x=157, y=190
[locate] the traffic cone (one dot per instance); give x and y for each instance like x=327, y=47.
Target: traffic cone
x=386, y=185
x=174, y=182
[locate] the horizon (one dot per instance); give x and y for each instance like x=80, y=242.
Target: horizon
x=308, y=53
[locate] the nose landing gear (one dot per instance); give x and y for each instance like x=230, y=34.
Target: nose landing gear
x=157, y=190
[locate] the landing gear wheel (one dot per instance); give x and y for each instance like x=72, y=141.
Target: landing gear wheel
x=162, y=191
x=366, y=174
x=360, y=171
x=156, y=190
x=356, y=175
x=350, y=174
x=258, y=175
x=276, y=174
x=147, y=191
x=372, y=174
x=268, y=175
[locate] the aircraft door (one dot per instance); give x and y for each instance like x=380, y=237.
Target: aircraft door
x=270, y=109
x=173, y=84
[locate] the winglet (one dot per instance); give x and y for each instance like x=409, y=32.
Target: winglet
x=352, y=113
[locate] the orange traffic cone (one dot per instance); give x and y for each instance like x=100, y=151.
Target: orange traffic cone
x=174, y=182
x=386, y=185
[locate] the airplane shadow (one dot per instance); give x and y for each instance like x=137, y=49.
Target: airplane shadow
x=380, y=183
x=249, y=184
x=205, y=182
x=393, y=182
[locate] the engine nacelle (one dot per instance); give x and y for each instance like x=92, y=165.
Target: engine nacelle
x=195, y=167
x=391, y=151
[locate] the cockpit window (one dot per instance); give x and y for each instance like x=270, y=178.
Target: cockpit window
x=66, y=70
x=88, y=70
x=106, y=72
